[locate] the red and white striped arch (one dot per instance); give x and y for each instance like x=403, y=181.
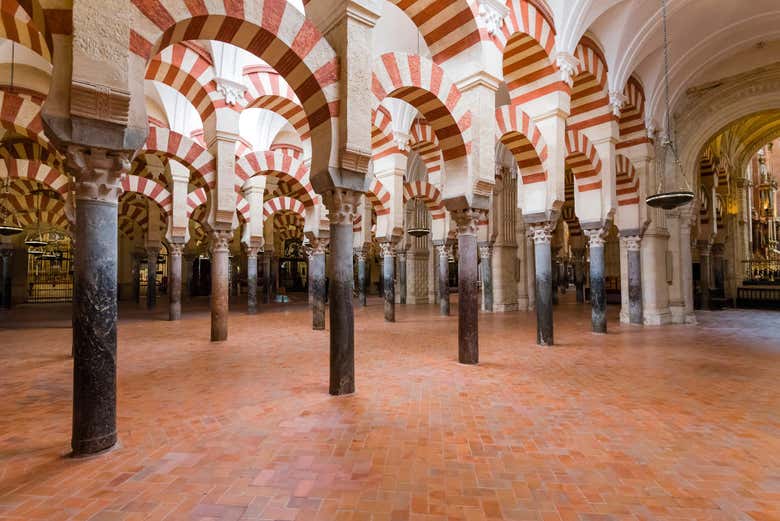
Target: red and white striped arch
x=273, y=30
x=583, y=160
x=284, y=167
x=519, y=134
x=242, y=207
x=382, y=141
x=22, y=116
x=17, y=25
x=528, y=42
x=151, y=189
x=196, y=199
x=429, y=194
x=44, y=174
x=425, y=86
x=187, y=71
x=589, y=95
x=26, y=207
x=169, y=143
x=632, y=116
x=283, y=203
x=627, y=182
x=13, y=149
x=288, y=225
x=568, y=210
x=423, y=140
x=379, y=197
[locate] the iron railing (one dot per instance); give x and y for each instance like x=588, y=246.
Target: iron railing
x=761, y=272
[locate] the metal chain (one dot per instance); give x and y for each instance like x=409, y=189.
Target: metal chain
x=666, y=70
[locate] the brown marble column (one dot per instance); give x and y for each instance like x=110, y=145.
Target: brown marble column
x=152, y=253
x=220, y=264
x=362, y=283
x=342, y=206
x=598, y=291
x=174, y=280
x=97, y=172
x=388, y=279
x=317, y=278
x=468, y=284
x=443, y=272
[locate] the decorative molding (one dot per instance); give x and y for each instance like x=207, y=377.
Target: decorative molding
x=89, y=100
x=485, y=251
x=388, y=250
x=567, y=64
x=632, y=242
x=355, y=160
x=468, y=219
x=342, y=205
x=233, y=91
x=542, y=232
x=98, y=172
x=220, y=240
x=617, y=100
x=492, y=14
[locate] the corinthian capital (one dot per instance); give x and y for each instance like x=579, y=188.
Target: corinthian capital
x=632, y=242
x=388, y=250
x=220, y=240
x=542, y=232
x=98, y=172
x=342, y=205
x=468, y=219
x=596, y=237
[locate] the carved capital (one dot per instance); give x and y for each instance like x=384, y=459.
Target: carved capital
x=98, y=172
x=175, y=250
x=567, y=65
x=220, y=241
x=468, y=219
x=596, y=237
x=152, y=252
x=360, y=253
x=342, y=205
x=232, y=91
x=632, y=242
x=319, y=246
x=541, y=232
x=388, y=250
x=492, y=14
x=617, y=100
x=251, y=252
x=443, y=250
x=485, y=251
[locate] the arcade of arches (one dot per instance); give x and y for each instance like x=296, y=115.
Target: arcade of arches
x=217, y=216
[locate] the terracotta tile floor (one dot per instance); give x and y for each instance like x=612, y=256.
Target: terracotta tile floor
x=676, y=423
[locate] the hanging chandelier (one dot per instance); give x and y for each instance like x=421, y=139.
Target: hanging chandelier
x=9, y=223
x=669, y=199
x=419, y=229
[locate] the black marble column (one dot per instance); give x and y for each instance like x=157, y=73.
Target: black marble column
x=633, y=243
x=705, y=272
x=174, y=281
x=151, y=277
x=342, y=205
x=137, y=279
x=444, y=278
x=579, y=275
x=598, y=293
x=362, y=273
x=317, y=271
x=402, y=276
x=6, y=257
x=388, y=280
x=265, y=263
x=220, y=264
x=95, y=300
x=468, y=285
x=251, y=280
x=542, y=236
x=274, y=277
x=486, y=270
x=555, y=274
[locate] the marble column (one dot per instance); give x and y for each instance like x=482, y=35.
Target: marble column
x=388, y=280
x=268, y=290
x=251, y=280
x=530, y=274
x=174, y=280
x=468, y=285
x=486, y=271
x=444, y=278
x=718, y=270
x=152, y=254
x=542, y=236
x=187, y=260
x=6, y=257
x=98, y=174
x=137, y=279
x=705, y=272
x=317, y=271
x=402, y=276
x=598, y=293
x=633, y=250
x=220, y=264
x=579, y=274
x=360, y=254
x=555, y=273
x=342, y=207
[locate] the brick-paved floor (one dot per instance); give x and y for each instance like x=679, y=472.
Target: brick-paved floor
x=677, y=423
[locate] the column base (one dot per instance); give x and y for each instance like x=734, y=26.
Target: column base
x=657, y=318
x=94, y=446
x=505, y=308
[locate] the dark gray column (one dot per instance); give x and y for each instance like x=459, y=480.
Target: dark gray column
x=402, y=276
x=468, y=285
x=486, y=270
x=555, y=273
x=598, y=294
x=633, y=244
x=6, y=257
x=317, y=271
x=174, y=280
x=251, y=280
x=342, y=206
x=542, y=236
x=186, y=270
x=579, y=275
x=220, y=264
x=360, y=253
x=444, y=278
x=274, y=276
x=265, y=268
x=388, y=280
x=95, y=299
x=151, y=276
x=137, y=279
x=718, y=270
x=705, y=272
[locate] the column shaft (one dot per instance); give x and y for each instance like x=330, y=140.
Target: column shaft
x=388, y=281
x=151, y=278
x=598, y=295
x=7, y=259
x=220, y=264
x=317, y=270
x=542, y=234
x=486, y=271
x=361, y=258
x=468, y=285
x=444, y=280
x=251, y=281
x=174, y=281
x=635, y=314
x=402, y=276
